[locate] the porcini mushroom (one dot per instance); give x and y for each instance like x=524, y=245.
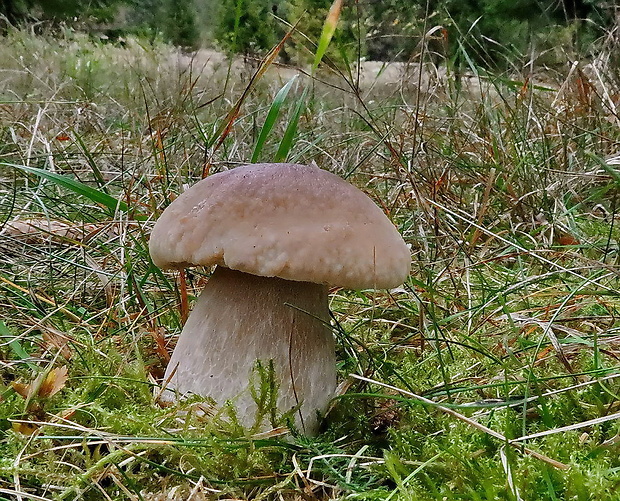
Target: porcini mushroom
x=279, y=235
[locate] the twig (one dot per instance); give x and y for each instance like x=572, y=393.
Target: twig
x=574, y=426
x=19, y=494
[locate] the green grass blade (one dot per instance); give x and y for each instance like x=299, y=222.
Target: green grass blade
x=289, y=135
x=613, y=173
x=272, y=116
x=16, y=346
x=79, y=188
x=329, y=28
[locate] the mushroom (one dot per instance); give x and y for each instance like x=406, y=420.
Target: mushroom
x=279, y=234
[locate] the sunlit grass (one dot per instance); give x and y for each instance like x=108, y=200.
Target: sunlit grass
x=500, y=183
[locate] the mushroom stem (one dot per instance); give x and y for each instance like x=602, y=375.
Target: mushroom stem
x=240, y=319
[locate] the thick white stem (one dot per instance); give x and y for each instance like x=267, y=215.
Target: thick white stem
x=241, y=318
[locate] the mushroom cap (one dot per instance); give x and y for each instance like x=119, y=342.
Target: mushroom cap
x=291, y=221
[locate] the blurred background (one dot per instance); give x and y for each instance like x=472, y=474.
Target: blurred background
x=497, y=32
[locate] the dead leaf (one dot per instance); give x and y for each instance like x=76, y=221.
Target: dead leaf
x=67, y=414
x=567, y=240
x=22, y=389
x=543, y=353
x=24, y=427
x=53, y=382
x=36, y=230
x=43, y=386
x=57, y=339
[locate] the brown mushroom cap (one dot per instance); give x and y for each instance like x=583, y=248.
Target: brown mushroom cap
x=291, y=221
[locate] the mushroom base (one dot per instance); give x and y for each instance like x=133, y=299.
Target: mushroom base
x=240, y=319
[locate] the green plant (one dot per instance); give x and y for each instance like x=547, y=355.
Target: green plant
x=246, y=26
x=180, y=24
x=309, y=15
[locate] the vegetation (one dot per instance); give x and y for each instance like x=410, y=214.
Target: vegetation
x=491, y=374
x=246, y=26
x=497, y=31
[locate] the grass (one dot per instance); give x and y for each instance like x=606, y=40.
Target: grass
x=504, y=185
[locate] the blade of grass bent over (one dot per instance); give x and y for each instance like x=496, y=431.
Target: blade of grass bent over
x=79, y=188
x=16, y=346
